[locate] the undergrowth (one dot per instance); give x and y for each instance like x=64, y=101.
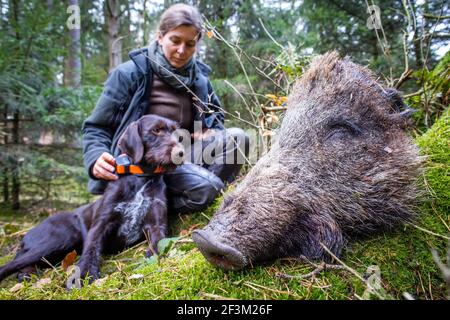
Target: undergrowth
x=403, y=258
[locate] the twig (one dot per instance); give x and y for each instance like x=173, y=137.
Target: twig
x=131, y=248
x=215, y=296
x=274, y=108
x=245, y=102
x=270, y=36
x=234, y=48
x=354, y=272
x=150, y=246
x=318, y=268
x=430, y=16
x=407, y=73
x=19, y=233
x=405, y=76
x=413, y=94
x=255, y=287
x=47, y=262
x=430, y=232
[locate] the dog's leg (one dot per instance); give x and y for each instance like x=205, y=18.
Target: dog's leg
x=25, y=260
x=155, y=226
x=52, y=239
x=104, y=222
x=89, y=263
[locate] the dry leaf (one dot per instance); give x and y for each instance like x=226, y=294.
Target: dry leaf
x=136, y=276
x=100, y=282
x=16, y=288
x=42, y=283
x=69, y=260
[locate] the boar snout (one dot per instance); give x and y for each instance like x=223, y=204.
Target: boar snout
x=216, y=252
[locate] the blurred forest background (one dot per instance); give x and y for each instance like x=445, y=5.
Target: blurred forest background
x=51, y=75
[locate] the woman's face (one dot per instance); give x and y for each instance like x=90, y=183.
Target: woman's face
x=179, y=45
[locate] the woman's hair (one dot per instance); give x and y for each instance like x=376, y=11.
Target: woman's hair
x=180, y=15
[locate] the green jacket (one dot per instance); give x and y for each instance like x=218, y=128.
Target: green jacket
x=125, y=98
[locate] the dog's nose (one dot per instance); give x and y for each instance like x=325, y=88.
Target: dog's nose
x=177, y=155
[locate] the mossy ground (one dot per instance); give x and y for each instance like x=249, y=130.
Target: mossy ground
x=403, y=257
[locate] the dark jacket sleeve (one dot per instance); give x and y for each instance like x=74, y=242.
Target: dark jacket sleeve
x=100, y=126
x=216, y=118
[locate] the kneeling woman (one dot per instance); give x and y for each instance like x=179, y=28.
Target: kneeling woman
x=167, y=80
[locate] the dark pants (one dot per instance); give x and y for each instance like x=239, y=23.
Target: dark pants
x=210, y=164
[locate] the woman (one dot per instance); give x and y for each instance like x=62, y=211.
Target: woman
x=166, y=79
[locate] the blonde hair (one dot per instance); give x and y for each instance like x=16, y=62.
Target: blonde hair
x=180, y=15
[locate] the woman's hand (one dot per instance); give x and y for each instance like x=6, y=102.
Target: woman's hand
x=198, y=135
x=104, y=167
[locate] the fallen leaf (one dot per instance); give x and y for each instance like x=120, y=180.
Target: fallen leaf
x=136, y=276
x=100, y=282
x=69, y=260
x=16, y=288
x=42, y=283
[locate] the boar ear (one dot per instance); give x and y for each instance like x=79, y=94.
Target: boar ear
x=401, y=113
x=395, y=100
x=131, y=143
x=407, y=113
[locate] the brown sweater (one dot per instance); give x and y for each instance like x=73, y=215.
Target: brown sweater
x=168, y=102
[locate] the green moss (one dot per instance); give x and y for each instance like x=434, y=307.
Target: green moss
x=435, y=143
x=403, y=257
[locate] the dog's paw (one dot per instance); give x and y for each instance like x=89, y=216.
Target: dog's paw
x=89, y=271
x=150, y=252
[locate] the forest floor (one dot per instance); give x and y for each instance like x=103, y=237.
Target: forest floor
x=397, y=265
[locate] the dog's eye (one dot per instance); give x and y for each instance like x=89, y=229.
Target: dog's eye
x=157, y=131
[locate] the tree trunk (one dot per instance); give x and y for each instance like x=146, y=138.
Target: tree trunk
x=15, y=187
x=73, y=71
x=5, y=186
x=145, y=14
x=15, y=173
x=113, y=14
x=5, y=170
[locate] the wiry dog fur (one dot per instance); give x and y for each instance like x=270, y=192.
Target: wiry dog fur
x=132, y=207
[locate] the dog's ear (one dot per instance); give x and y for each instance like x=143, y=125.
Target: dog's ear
x=131, y=144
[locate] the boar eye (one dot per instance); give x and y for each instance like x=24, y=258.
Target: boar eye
x=339, y=129
x=337, y=133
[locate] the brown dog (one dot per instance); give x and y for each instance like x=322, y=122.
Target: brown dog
x=131, y=209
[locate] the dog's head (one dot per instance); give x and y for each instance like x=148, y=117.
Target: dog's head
x=152, y=140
